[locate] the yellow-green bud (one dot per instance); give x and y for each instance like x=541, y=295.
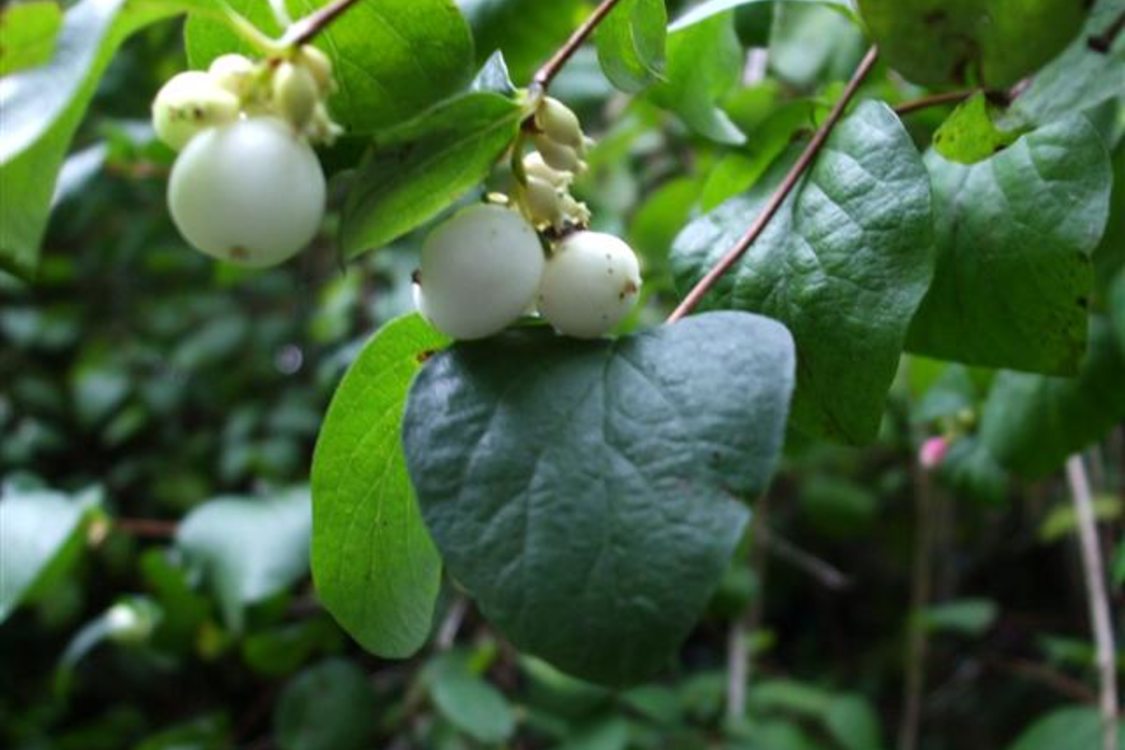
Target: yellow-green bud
x=189, y=103
x=233, y=72
x=534, y=166
x=295, y=94
x=558, y=156
x=318, y=64
x=560, y=124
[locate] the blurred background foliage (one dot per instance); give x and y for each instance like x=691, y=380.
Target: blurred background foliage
x=171, y=405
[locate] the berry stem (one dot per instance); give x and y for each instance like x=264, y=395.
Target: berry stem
x=304, y=30
x=934, y=100
x=806, y=159
x=551, y=68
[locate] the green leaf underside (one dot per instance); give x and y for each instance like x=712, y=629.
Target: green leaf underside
x=970, y=135
x=711, y=8
x=586, y=493
x=392, y=59
x=248, y=548
x=27, y=34
x=1014, y=238
x=990, y=42
x=375, y=567
x=417, y=170
x=36, y=528
x=703, y=65
x=41, y=109
x=469, y=702
x=1031, y=423
x=843, y=264
x=630, y=43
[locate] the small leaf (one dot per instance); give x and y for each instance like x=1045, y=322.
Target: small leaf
x=494, y=76
x=631, y=43
x=375, y=567
x=392, y=59
x=1031, y=423
x=468, y=701
x=27, y=34
x=971, y=617
x=970, y=134
x=586, y=493
x=329, y=706
x=1014, y=237
x=1063, y=519
x=40, y=531
x=1071, y=727
x=248, y=548
x=843, y=264
x=933, y=42
x=416, y=170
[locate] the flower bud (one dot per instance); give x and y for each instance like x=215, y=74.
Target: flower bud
x=559, y=123
x=295, y=94
x=189, y=103
x=558, y=156
x=235, y=73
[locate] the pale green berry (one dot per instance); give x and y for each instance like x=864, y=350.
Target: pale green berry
x=559, y=123
x=233, y=72
x=558, y=156
x=189, y=103
x=480, y=271
x=318, y=64
x=590, y=284
x=543, y=202
x=534, y=166
x=251, y=192
x=295, y=94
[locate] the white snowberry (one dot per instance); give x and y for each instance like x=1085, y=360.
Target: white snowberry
x=480, y=271
x=189, y=103
x=590, y=284
x=250, y=192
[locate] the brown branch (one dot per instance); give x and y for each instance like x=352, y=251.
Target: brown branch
x=303, y=31
x=934, y=100
x=917, y=641
x=148, y=528
x=803, y=162
x=551, y=68
x=823, y=572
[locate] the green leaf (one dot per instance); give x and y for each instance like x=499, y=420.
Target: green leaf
x=248, y=549
x=711, y=8
x=41, y=109
x=971, y=617
x=469, y=702
x=970, y=134
x=989, y=42
x=27, y=34
x=40, y=531
x=526, y=31
x=392, y=59
x=1031, y=423
x=843, y=264
x=585, y=493
x=631, y=43
x=1081, y=77
x=1071, y=727
x=811, y=44
x=329, y=706
x=375, y=567
x=416, y=170
x=1109, y=257
x=1014, y=238
x=1062, y=521
x=1117, y=308
x=704, y=60
x=853, y=723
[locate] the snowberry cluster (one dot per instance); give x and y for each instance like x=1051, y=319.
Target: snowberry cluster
x=491, y=264
x=247, y=186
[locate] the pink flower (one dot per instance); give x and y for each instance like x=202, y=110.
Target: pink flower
x=932, y=452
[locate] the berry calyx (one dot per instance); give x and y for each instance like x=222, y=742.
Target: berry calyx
x=480, y=271
x=189, y=103
x=250, y=192
x=590, y=284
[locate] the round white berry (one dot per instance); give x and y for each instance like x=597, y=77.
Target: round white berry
x=250, y=192
x=590, y=284
x=480, y=271
x=189, y=103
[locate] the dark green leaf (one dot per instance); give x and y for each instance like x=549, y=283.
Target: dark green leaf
x=469, y=702
x=1071, y=727
x=844, y=265
x=631, y=43
x=39, y=529
x=704, y=60
x=526, y=31
x=991, y=42
x=27, y=34
x=1031, y=423
x=330, y=706
x=970, y=134
x=248, y=548
x=415, y=171
x=853, y=723
x=1014, y=237
x=970, y=617
x=392, y=59
x=375, y=567
x=1109, y=258
x=586, y=493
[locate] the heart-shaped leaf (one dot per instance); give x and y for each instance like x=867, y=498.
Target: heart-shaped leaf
x=587, y=493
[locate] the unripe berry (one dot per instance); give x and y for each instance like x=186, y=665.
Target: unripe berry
x=543, y=202
x=250, y=192
x=189, y=103
x=558, y=156
x=590, y=284
x=318, y=64
x=534, y=166
x=559, y=123
x=480, y=271
x=233, y=72
x=295, y=94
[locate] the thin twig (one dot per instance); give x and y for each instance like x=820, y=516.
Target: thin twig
x=551, y=68
x=447, y=633
x=149, y=528
x=1094, y=572
x=803, y=162
x=739, y=666
x=934, y=100
x=303, y=31
x=917, y=640
x=824, y=572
